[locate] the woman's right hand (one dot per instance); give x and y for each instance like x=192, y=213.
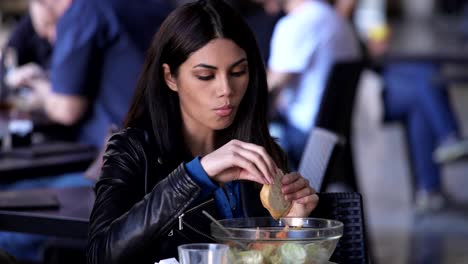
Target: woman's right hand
x=238, y=160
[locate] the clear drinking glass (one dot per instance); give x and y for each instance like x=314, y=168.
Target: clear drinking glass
x=203, y=253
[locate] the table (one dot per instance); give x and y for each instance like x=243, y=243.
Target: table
x=63, y=157
x=70, y=220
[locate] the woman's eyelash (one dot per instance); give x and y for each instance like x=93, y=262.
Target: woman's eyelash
x=205, y=78
x=239, y=73
x=210, y=77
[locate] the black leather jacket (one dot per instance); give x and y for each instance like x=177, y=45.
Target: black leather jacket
x=145, y=206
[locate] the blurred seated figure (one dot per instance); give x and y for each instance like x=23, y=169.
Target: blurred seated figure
x=305, y=45
x=412, y=96
x=27, y=53
x=99, y=48
x=97, y=56
x=33, y=36
x=26, y=57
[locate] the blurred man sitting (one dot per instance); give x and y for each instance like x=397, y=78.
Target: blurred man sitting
x=27, y=53
x=305, y=45
x=99, y=48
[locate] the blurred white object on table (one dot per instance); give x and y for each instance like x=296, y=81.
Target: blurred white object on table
x=168, y=261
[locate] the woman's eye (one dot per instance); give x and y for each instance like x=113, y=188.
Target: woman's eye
x=205, y=77
x=238, y=73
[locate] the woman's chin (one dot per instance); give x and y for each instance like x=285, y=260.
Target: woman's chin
x=222, y=124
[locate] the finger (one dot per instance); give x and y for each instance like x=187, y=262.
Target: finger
x=263, y=153
x=271, y=165
x=299, y=194
x=253, y=174
x=309, y=201
x=295, y=186
x=245, y=175
x=290, y=177
x=258, y=161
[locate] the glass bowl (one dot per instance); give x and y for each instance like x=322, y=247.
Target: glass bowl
x=261, y=240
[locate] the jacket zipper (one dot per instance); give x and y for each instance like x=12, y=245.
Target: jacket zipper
x=181, y=220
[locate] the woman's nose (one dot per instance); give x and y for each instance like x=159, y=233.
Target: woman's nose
x=224, y=87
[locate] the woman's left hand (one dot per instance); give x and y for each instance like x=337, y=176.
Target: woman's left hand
x=297, y=190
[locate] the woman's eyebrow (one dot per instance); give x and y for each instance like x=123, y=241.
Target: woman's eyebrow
x=203, y=65
x=238, y=62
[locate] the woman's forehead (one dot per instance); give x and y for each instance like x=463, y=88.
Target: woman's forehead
x=218, y=51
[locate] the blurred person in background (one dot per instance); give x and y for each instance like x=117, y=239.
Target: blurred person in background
x=97, y=56
x=26, y=57
x=98, y=52
x=305, y=45
x=347, y=9
x=344, y=7
x=27, y=53
x=261, y=19
x=412, y=96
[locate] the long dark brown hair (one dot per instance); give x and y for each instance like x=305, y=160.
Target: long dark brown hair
x=188, y=28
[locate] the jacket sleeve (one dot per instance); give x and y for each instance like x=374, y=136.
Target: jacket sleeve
x=125, y=224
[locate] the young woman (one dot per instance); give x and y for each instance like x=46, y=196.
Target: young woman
x=197, y=139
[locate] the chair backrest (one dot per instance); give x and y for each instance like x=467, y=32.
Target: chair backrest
x=337, y=102
x=317, y=153
x=347, y=208
x=335, y=115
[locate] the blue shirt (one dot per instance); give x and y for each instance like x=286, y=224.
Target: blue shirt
x=29, y=46
x=98, y=54
x=227, y=200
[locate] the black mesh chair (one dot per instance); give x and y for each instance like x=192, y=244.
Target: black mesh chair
x=335, y=115
x=347, y=208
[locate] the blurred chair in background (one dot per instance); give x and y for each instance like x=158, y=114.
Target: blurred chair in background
x=352, y=248
x=317, y=153
x=335, y=114
x=305, y=45
x=345, y=207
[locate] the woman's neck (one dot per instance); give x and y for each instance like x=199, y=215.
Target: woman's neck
x=199, y=142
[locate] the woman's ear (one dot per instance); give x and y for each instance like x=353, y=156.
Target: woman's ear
x=168, y=78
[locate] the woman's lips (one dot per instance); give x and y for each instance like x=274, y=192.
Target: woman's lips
x=224, y=111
